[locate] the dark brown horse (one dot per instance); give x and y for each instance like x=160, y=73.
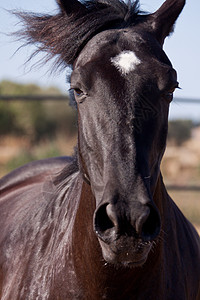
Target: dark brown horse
x=101, y=225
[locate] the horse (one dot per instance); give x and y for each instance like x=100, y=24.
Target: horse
x=101, y=225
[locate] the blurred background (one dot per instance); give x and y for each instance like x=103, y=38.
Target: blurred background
x=33, y=126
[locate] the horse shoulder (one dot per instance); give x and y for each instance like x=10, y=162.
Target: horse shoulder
x=23, y=189
x=30, y=214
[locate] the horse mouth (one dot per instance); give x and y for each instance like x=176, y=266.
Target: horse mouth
x=129, y=254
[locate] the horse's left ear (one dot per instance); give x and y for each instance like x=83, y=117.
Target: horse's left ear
x=163, y=20
x=71, y=6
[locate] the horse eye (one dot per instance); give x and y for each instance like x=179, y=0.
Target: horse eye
x=169, y=93
x=78, y=92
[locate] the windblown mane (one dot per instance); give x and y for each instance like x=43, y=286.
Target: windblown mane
x=64, y=35
x=61, y=179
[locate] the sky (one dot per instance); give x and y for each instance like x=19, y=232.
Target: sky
x=183, y=49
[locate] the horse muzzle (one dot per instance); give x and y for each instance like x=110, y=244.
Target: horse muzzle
x=126, y=252
x=126, y=235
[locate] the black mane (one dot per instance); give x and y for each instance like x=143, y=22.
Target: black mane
x=65, y=35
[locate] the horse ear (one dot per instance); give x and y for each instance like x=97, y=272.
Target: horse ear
x=71, y=6
x=165, y=17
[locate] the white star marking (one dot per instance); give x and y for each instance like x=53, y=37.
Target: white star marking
x=125, y=62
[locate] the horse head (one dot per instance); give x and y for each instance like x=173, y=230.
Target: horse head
x=123, y=84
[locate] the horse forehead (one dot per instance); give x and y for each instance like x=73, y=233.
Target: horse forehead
x=119, y=46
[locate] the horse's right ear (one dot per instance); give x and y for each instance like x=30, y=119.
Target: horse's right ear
x=163, y=20
x=71, y=6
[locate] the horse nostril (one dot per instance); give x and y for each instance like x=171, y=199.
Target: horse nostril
x=150, y=225
x=141, y=219
x=111, y=214
x=103, y=220
x=145, y=224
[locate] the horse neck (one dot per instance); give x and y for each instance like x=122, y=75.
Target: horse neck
x=92, y=272
x=163, y=202
x=85, y=248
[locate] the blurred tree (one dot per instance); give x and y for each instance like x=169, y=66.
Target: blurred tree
x=35, y=119
x=12, y=88
x=7, y=119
